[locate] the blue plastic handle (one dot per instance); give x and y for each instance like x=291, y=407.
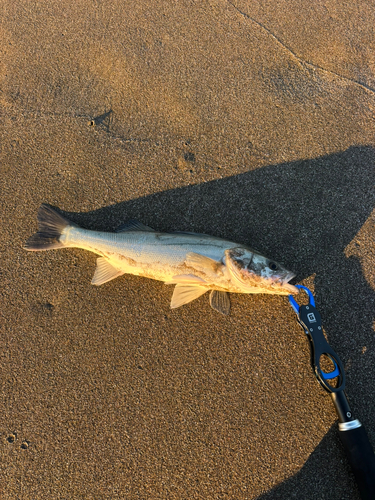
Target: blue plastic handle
x=330, y=375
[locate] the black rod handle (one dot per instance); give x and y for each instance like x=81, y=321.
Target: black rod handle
x=357, y=446
x=361, y=457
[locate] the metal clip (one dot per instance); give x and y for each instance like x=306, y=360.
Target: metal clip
x=310, y=320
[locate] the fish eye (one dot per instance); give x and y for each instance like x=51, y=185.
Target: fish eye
x=272, y=266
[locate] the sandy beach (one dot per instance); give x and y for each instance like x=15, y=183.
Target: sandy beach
x=254, y=122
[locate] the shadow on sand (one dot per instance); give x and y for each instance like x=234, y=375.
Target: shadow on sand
x=303, y=214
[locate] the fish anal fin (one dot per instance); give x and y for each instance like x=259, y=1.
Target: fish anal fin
x=220, y=301
x=183, y=294
x=104, y=272
x=133, y=225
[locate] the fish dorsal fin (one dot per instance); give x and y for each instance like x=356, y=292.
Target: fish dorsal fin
x=220, y=301
x=183, y=294
x=104, y=272
x=202, y=263
x=133, y=225
x=187, y=279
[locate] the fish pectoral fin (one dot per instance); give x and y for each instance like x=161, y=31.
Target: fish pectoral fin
x=104, y=272
x=183, y=294
x=202, y=263
x=220, y=301
x=133, y=225
x=187, y=279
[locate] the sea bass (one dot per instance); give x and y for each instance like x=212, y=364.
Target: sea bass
x=195, y=263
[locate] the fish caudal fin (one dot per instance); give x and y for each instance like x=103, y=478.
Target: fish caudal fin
x=51, y=225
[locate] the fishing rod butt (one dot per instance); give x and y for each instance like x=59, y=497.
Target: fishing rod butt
x=361, y=457
x=357, y=446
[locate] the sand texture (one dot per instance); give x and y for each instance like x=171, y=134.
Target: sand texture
x=252, y=121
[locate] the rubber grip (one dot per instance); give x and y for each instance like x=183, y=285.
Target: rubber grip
x=362, y=459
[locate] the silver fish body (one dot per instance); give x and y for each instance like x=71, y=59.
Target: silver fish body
x=195, y=263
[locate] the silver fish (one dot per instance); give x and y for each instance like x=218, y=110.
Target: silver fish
x=195, y=263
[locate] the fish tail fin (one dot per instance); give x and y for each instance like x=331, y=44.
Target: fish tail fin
x=51, y=225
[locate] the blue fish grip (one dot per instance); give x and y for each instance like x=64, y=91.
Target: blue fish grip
x=309, y=319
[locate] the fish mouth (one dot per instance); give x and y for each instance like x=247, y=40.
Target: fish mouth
x=288, y=286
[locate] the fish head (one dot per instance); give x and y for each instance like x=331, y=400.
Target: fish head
x=255, y=273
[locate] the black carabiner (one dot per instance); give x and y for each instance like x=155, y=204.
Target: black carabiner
x=310, y=320
x=352, y=434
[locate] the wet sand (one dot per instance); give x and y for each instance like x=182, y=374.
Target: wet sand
x=250, y=122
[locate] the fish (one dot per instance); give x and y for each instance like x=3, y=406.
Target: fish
x=195, y=263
